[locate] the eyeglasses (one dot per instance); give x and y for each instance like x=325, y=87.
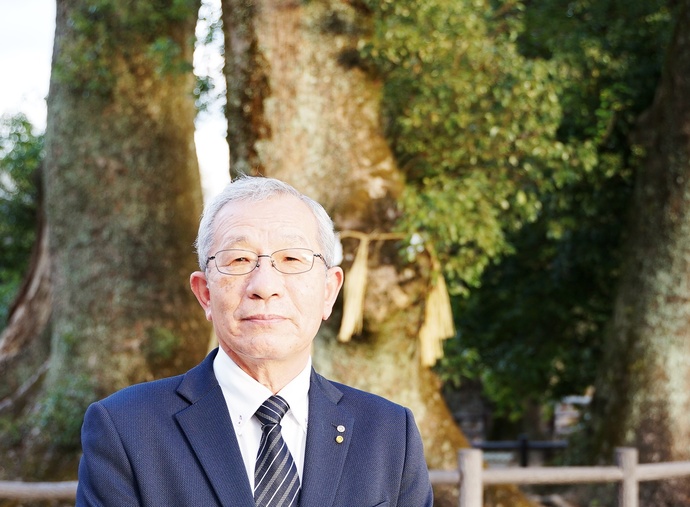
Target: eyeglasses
x=289, y=261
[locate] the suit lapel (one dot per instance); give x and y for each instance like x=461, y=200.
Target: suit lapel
x=208, y=428
x=328, y=440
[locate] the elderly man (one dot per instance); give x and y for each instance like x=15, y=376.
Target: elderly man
x=254, y=424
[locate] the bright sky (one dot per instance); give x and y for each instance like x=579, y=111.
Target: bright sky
x=27, y=29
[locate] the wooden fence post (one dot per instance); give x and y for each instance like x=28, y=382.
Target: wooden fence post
x=471, y=486
x=628, y=491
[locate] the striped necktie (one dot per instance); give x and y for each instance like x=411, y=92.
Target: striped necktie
x=276, y=482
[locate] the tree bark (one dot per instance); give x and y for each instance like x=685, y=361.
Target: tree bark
x=122, y=194
x=318, y=127
x=642, y=398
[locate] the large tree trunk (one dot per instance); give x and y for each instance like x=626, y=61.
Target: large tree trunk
x=302, y=112
x=323, y=136
x=122, y=195
x=642, y=398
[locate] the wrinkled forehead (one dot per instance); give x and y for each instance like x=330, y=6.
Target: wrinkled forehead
x=282, y=220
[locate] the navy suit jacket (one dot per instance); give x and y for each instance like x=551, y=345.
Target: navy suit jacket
x=171, y=443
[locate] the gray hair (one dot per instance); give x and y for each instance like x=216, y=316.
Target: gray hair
x=253, y=189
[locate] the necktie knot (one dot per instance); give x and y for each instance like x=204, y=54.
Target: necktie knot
x=272, y=410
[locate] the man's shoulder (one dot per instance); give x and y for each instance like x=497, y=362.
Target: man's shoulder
x=151, y=392
x=188, y=385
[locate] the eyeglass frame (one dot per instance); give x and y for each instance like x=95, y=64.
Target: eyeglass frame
x=270, y=257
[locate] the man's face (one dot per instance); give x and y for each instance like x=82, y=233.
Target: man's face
x=267, y=317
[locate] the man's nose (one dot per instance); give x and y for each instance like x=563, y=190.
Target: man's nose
x=264, y=280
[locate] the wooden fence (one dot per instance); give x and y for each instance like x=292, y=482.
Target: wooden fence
x=471, y=476
x=16, y=490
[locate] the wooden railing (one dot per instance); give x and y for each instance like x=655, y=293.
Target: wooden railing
x=470, y=475
x=17, y=490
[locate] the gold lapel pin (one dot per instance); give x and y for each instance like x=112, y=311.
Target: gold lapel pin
x=339, y=439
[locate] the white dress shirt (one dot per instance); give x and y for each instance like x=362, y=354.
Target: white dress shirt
x=244, y=395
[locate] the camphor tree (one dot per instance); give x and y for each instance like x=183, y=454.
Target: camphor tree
x=407, y=120
x=107, y=301
x=641, y=395
x=304, y=113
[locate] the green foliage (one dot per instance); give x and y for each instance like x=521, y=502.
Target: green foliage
x=168, y=56
x=105, y=31
x=537, y=322
x=539, y=318
x=21, y=152
x=512, y=122
x=544, y=310
x=473, y=124
x=611, y=53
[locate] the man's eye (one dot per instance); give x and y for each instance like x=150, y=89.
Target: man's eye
x=292, y=258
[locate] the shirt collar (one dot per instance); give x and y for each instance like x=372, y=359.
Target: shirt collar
x=247, y=394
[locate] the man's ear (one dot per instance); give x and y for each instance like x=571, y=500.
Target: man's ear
x=199, y=285
x=334, y=281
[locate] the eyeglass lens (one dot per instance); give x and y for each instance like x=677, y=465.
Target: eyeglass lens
x=241, y=262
